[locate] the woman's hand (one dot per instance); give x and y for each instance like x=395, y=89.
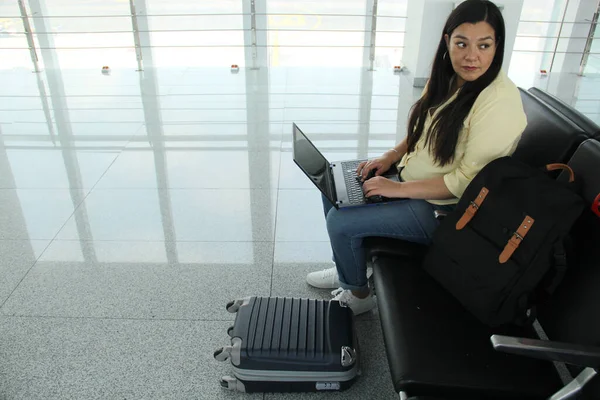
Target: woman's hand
x=380, y=165
x=381, y=186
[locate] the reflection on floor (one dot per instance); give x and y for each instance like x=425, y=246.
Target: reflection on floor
x=135, y=205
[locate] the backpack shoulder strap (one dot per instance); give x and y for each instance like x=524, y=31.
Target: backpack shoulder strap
x=560, y=266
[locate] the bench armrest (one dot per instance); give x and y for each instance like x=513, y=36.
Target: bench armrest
x=584, y=356
x=380, y=246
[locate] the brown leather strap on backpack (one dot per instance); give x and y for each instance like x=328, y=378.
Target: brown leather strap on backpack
x=472, y=209
x=564, y=167
x=516, y=239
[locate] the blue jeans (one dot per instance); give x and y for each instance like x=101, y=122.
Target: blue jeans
x=410, y=220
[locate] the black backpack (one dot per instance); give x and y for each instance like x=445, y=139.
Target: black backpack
x=504, y=245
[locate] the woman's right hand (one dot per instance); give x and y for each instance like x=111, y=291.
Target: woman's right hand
x=380, y=164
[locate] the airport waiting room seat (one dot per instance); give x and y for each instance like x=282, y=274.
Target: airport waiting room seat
x=438, y=350
x=591, y=128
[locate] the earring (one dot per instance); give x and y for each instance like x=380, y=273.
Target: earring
x=444, y=56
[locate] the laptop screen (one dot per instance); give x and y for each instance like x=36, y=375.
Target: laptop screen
x=315, y=166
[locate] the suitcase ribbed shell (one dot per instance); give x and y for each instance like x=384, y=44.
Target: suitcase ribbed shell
x=293, y=334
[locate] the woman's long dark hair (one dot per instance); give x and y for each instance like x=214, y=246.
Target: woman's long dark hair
x=442, y=137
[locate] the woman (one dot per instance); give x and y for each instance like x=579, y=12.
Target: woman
x=470, y=113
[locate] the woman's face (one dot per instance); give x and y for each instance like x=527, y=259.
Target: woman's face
x=471, y=49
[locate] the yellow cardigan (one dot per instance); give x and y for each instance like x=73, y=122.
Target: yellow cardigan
x=491, y=130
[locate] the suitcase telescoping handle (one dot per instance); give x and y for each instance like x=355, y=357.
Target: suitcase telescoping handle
x=564, y=167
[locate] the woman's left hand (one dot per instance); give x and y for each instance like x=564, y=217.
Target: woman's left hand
x=381, y=186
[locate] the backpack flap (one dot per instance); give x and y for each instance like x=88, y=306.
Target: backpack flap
x=481, y=262
x=493, y=251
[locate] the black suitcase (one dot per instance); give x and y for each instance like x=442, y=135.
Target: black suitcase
x=290, y=345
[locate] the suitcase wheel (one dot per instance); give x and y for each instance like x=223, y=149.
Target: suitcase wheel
x=348, y=356
x=222, y=354
x=234, y=306
x=230, y=331
x=229, y=382
x=229, y=306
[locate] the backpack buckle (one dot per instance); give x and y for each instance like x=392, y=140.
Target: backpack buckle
x=515, y=240
x=472, y=209
x=516, y=234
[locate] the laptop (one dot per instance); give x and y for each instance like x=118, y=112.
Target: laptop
x=338, y=180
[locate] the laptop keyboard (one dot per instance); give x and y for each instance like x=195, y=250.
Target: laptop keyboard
x=353, y=185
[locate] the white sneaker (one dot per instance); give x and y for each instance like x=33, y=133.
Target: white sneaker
x=325, y=279
x=328, y=278
x=358, y=306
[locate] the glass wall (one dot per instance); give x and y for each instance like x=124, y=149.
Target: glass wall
x=537, y=35
x=548, y=32
x=92, y=33
x=592, y=65
x=74, y=34
x=83, y=34
x=318, y=33
x=195, y=33
x=14, y=51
